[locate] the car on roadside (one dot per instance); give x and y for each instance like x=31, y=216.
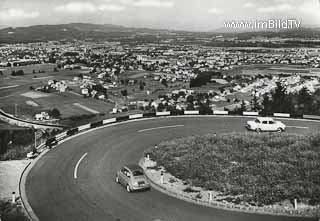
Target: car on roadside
x=33, y=154
x=261, y=124
x=132, y=177
x=51, y=142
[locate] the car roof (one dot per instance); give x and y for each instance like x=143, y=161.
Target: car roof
x=265, y=119
x=134, y=167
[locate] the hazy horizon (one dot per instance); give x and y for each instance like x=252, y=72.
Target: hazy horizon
x=188, y=15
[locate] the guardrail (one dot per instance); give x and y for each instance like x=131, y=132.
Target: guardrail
x=82, y=128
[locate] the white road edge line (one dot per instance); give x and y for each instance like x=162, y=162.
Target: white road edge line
x=155, y=128
x=298, y=127
x=77, y=165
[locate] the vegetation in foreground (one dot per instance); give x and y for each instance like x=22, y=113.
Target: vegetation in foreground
x=11, y=212
x=15, y=144
x=259, y=169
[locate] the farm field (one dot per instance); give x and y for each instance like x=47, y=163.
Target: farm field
x=16, y=96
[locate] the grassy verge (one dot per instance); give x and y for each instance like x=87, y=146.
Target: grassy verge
x=257, y=169
x=11, y=212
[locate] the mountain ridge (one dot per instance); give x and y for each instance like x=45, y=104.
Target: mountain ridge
x=98, y=32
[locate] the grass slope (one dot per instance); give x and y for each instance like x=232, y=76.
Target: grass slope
x=259, y=169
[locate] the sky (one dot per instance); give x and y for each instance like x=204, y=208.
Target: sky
x=193, y=15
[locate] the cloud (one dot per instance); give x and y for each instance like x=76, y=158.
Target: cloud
x=87, y=7
x=111, y=7
x=76, y=7
x=277, y=8
x=17, y=14
x=216, y=11
x=312, y=9
x=151, y=3
x=249, y=5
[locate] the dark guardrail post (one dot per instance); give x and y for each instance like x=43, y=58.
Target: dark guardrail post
x=149, y=115
x=72, y=131
x=96, y=124
x=123, y=118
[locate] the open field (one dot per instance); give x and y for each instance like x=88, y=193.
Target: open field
x=29, y=78
x=62, y=101
x=16, y=96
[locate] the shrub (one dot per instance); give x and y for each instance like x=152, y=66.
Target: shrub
x=11, y=212
x=54, y=113
x=17, y=73
x=15, y=144
x=190, y=190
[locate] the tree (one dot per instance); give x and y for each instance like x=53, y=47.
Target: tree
x=164, y=82
x=124, y=92
x=278, y=98
x=160, y=107
x=55, y=113
x=279, y=102
x=255, y=102
x=304, y=100
x=17, y=73
x=266, y=103
x=243, y=106
x=190, y=99
x=4, y=140
x=141, y=85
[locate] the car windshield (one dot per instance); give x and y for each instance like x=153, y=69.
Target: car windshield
x=257, y=121
x=137, y=173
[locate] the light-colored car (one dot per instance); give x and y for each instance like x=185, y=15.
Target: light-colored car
x=32, y=154
x=265, y=124
x=132, y=177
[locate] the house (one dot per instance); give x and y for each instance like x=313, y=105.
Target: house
x=42, y=116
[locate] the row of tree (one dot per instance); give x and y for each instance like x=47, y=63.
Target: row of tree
x=302, y=102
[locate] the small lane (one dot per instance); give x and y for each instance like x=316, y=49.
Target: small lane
x=54, y=194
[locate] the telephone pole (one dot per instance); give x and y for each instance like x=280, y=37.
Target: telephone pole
x=16, y=110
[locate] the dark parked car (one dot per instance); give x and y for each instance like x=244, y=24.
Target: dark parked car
x=51, y=142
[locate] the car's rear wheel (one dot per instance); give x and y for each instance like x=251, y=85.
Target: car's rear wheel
x=128, y=188
x=258, y=130
x=117, y=179
x=280, y=130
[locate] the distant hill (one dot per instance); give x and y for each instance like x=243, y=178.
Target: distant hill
x=103, y=32
x=289, y=33
x=70, y=31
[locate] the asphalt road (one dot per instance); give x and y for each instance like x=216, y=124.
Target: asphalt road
x=54, y=194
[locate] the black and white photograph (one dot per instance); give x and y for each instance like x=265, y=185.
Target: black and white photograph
x=159, y=110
